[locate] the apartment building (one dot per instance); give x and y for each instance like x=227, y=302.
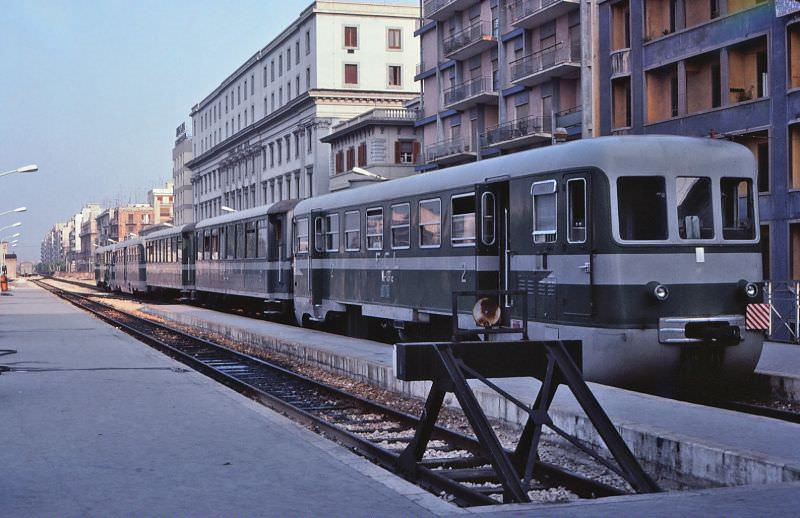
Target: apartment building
x=256, y=136
x=183, y=208
x=499, y=76
x=116, y=224
x=718, y=68
x=162, y=200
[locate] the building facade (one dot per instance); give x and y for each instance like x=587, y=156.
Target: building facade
x=183, y=208
x=380, y=144
x=256, y=136
x=498, y=76
x=724, y=68
x=162, y=199
x=116, y=224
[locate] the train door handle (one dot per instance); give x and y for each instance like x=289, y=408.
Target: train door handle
x=586, y=267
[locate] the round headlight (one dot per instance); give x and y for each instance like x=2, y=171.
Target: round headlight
x=658, y=290
x=751, y=289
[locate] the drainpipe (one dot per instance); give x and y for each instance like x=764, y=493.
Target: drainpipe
x=587, y=68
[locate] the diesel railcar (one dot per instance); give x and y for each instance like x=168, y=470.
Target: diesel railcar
x=127, y=267
x=643, y=247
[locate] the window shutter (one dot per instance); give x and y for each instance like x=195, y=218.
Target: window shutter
x=397, y=152
x=339, y=167
x=416, y=152
x=362, y=154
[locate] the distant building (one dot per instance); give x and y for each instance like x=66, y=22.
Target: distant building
x=380, y=143
x=25, y=268
x=119, y=223
x=183, y=208
x=83, y=238
x=52, y=251
x=256, y=136
x=162, y=200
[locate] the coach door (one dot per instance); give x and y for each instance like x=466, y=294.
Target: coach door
x=492, y=247
x=576, y=282
x=316, y=255
x=277, y=253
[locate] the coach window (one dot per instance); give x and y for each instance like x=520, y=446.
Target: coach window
x=240, y=243
x=352, y=231
x=319, y=235
x=332, y=233
x=230, y=242
x=262, y=238
x=250, y=239
x=179, y=241
x=737, y=208
x=695, y=210
x=401, y=226
x=199, y=237
x=301, y=233
x=576, y=210
x=375, y=229
x=207, y=245
x=488, y=218
x=462, y=224
x=215, y=239
x=430, y=223
x=642, y=208
x=545, y=208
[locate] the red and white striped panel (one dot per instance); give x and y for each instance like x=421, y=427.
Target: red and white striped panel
x=757, y=316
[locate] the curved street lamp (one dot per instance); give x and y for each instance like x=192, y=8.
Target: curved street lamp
x=13, y=225
x=18, y=209
x=32, y=168
x=225, y=208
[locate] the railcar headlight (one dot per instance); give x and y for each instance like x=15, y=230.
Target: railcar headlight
x=658, y=290
x=749, y=288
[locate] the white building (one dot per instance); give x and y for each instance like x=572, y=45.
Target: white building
x=256, y=136
x=162, y=200
x=183, y=209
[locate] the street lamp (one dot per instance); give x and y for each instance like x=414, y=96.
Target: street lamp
x=12, y=236
x=32, y=168
x=13, y=225
x=18, y=209
x=225, y=208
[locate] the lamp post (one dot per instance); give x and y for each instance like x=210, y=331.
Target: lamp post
x=18, y=209
x=13, y=225
x=32, y=168
x=225, y=208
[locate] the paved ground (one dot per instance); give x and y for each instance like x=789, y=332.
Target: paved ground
x=94, y=423
x=780, y=359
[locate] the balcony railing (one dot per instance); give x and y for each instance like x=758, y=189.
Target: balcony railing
x=450, y=147
x=471, y=88
x=550, y=57
x=522, y=9
x=478, y=31
x=379, y=114
x=517, y=129
x=620, y=62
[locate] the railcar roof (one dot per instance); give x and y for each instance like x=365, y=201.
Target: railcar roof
x=234, y=216
x=169, y=232
x=618, y=155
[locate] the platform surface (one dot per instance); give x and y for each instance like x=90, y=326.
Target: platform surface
x=780, y=359
x=716, y=428
x=95, y=423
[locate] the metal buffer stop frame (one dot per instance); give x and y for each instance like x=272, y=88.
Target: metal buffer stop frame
x=449, y=365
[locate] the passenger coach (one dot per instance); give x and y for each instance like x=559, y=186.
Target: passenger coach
x=170, y=260
x=643, y=247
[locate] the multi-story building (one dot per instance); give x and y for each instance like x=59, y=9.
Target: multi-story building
x=720, y=68
x=162, y=200
x=183, y=208
x=379, y=144
x=498, y=76
x=119, y=223
x=82, y=256
x=51, y=249
x=256, y=136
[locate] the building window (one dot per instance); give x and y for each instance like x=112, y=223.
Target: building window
x=351, y=37
x=351, y=158
x=747, y=71
x=272, y=101
x=374, y=226
x=272, y=70
x=662, y=93
x=308, y=78
x=621, y=102
x=362, y=154
x=395, y=75
x=297, y=52
x=352, y=231
x=405, y=152
x=794, y=155
x=279, y=151
x=280, y=96
x=394, y=39
x=309, y=138
x=350, y=74
x=339, y=167
x=430, y=223
x=271, y=155
x=297, y=85
x=297, y=145
x=288, y=147
x=793, y=54
x=308, y=42
x=288, y=59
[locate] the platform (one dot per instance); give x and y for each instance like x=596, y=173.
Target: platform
x=95, y=423
x=712, y=445
x=779, y=369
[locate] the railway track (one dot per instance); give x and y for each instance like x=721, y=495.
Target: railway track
x=452, y=465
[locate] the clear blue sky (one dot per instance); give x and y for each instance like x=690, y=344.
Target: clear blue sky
x=92, y=91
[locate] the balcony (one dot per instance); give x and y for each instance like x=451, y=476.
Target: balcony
x=468, y=42
x=519, y=133
x=557, y=61
x=473, y=92
x=528, y=14
x=621, y=63
x=441, y=10
x=448, y=152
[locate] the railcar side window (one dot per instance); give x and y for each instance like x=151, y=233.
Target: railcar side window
x=695, y=211
x=207, y=244
x=462, y=224
x=199, y=246
x=179, y=248
x=545, y=205
x=332, y=233
x=301, y=234
x=240, y=241
x=737, y=208
x=642, y=208
x=430, y=223
x=576, y=210
x=318, y=234
x=262, y=238
x=250, y=239
x=374, y=229
x=488, y=217
x=401, y=226
x=352, y=231
x=230, y=242
x=215, y=243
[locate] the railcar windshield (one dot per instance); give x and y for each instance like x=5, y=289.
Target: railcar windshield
x=737, y=208
x=695, y=210
x=642, y=208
